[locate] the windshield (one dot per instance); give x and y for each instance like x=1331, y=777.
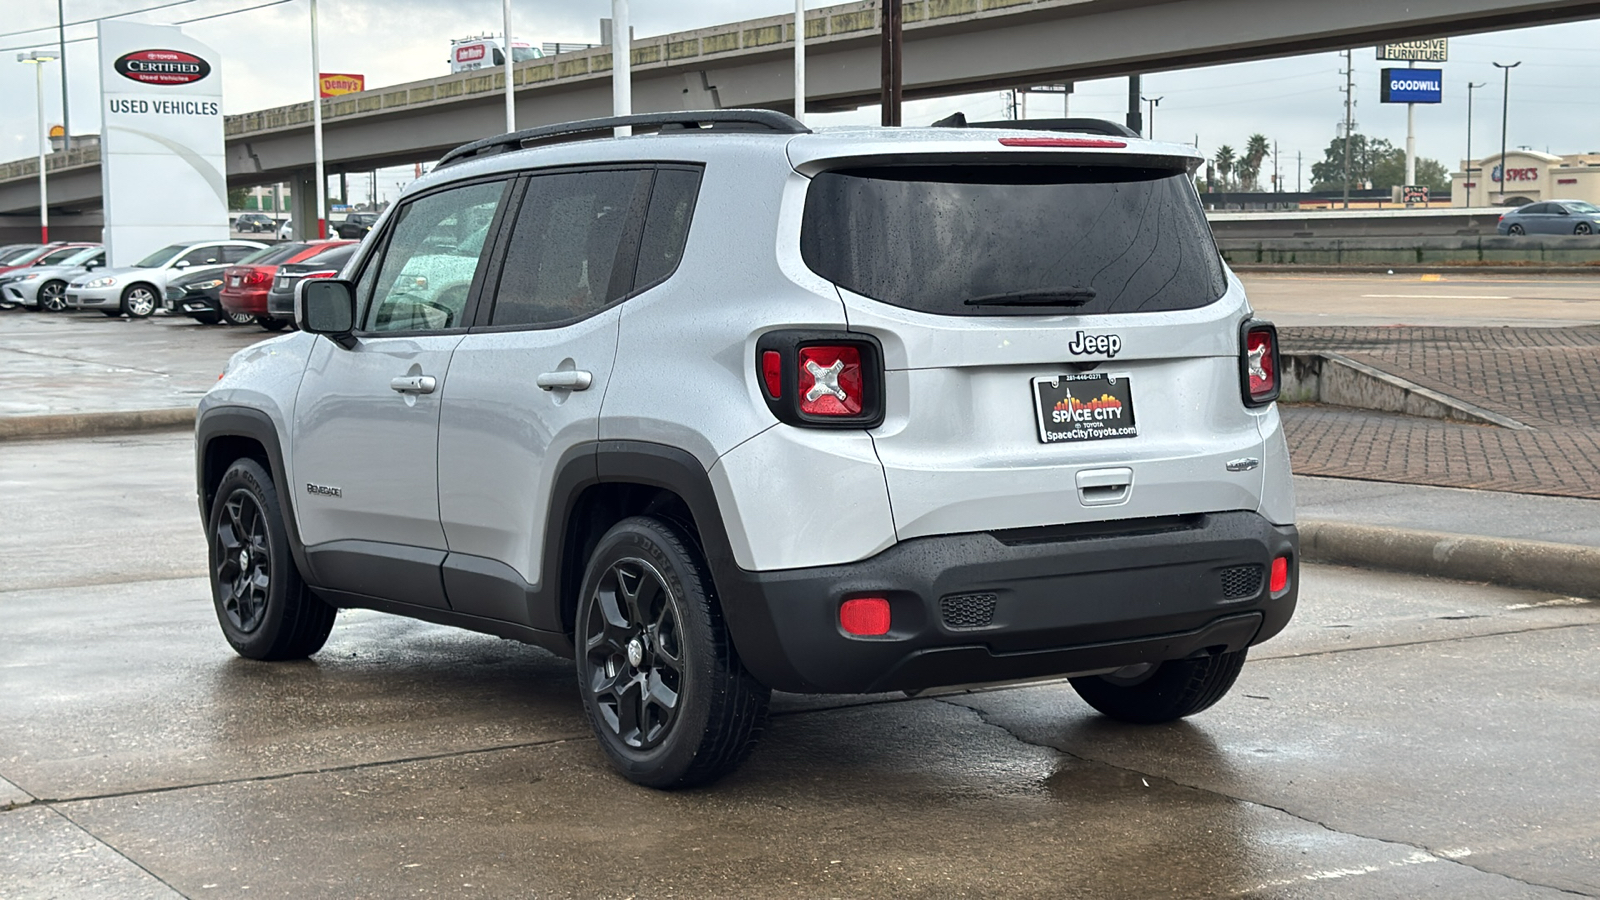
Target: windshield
x=336, y=256
x=83, y=255
x=1581, y=207
x=57, y=257
x=519, y=54
x=1014, y=240
x=160, y=257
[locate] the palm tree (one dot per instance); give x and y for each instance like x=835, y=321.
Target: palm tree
x=1224, y=162
x=1255, y=153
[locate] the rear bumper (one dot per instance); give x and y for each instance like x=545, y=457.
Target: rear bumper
x=246, y=301
x=280, y=305
x=1005, y=606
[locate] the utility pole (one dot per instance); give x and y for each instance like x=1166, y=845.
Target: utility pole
x=892, y=61
x=321, y=227
x=621, y=65
x=1154, y=102
x=61, y=39
x=800, y=61
x=1299, y=186
x=511, y=103
x=1349, y=120
x=1466, y=183
x=1135, y=121
x=1505, y=108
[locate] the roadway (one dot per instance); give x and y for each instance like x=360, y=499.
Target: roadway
x=1410, y=299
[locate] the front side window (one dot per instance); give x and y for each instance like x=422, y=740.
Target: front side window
x=237, y=254
x=1014, y=240
x=202, y=256
x=427, y=270
x=567, y=257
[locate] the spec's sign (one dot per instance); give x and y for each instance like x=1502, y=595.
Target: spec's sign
x=1415, y=51
x=162, y=67
x=1413, y=86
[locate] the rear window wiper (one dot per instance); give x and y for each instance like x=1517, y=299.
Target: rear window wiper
x=1072, y=296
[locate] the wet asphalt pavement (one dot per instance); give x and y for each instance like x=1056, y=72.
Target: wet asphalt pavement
x=1404, y=738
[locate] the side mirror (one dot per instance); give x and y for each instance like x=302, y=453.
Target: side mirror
x=1563, y=211
x=326, y=306
x=181, y=264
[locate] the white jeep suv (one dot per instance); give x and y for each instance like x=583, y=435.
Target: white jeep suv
x=732, y=407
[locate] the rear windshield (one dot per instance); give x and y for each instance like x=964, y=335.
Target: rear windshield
x=1014, y=240
x=336, y=256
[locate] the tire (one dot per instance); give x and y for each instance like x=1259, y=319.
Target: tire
x=52, y=296
x=1583, y=228
x=265, y=609
x=206, y=318
x=111, y=313
x=1516, y=229
x=229, y=318
x=1171, y=690
x=139, y=301
x=272, y=324
x=648, y=626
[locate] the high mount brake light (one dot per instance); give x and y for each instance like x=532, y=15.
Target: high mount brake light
x=1062, y=142
x=821, y=379
x=1260, y=365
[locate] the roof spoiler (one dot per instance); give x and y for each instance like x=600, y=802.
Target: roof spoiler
x=699, y=121
x=1076, y=126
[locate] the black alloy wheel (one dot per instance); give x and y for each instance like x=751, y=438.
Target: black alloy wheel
x=635, y=653
x=660, y=679
x=264, y=607
x=1516, y=229
x=52, y=296
x=139, y=301
x=233, y=318
x=1583, y=228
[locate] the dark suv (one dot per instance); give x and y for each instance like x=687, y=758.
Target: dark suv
x=356, y=225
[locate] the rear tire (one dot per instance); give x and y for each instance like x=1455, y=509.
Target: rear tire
x=265, y=609
x=229, y=318
x=206, y=318
x=1583, y=228
x=272, y=324
x=665, y=691
x=1172, y=690
x=1516, y=229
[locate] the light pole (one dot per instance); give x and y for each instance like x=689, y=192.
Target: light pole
x=1505, y=108
x=800, y=61
x=621, y=65
x=38, y=58
x=1150, y=126
x=316, y=129
x=1467, y=182
x=511, y=103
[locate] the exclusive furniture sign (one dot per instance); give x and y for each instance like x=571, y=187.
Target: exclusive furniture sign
x=1437, y=51
x=162, y=165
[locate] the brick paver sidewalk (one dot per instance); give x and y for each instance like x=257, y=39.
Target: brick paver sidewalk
x=1546, y=378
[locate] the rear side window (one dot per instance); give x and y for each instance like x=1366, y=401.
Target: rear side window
x=666, y=227
x=233, y=254
x=571, y=251
x=1014, y=240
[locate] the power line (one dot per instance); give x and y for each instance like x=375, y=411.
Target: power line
x=219, y=15
x=131, y=12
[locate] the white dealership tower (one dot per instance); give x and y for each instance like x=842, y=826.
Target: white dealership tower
x=162, y=164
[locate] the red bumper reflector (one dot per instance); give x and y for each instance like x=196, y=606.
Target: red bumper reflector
x=772, y=373
x=865, y=616
x=1280, y=574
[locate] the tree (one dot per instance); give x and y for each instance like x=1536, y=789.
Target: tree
x=1224, y=161
x=1256, y=151
x=1375, y=160
x=237, y=198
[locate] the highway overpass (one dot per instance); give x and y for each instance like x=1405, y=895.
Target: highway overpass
x=951, y=47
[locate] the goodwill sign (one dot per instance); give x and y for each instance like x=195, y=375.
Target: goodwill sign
x=1413, y=86
x=162, y=162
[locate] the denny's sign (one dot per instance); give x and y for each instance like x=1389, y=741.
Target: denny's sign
x=335, y=84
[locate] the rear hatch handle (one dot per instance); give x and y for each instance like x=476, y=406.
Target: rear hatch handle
x=1105, y=487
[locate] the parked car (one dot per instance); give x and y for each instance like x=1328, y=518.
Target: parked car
x=255, y=222
x=26, y=255
x=43, y=286
x=738, y=408
x=196, y=295
x=13, y=254
x=245, y=286
x=286, y=230
x=327, y=264
x=356, y=225
x=1552, y=217
x=137, y=290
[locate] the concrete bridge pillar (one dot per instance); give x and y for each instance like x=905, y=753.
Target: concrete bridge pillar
x=303, y=204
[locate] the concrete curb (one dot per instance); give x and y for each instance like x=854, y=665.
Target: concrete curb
x=1535, y=565
x=69, y=425
x=1439, y=269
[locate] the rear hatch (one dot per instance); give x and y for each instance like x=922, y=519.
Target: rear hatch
x=1061, y=341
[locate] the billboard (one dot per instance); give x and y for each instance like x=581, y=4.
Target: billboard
x=1413, y=86
x=162, y=168
x=333, y=84
x=1415, y=51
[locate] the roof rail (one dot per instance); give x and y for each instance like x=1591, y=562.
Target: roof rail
x=716, y=120
x=1077, y=126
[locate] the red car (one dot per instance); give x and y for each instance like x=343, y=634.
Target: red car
x=20, y=256
x=245, y=286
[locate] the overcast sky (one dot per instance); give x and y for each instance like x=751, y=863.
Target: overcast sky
x=1296, y=102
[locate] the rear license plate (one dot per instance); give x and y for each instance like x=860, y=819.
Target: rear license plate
x=1093, y=406
x=234, y=281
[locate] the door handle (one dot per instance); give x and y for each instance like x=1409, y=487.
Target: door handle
x=566, y=379
x=1104, y=487
x=414, y=384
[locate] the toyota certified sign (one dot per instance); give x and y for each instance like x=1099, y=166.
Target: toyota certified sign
x=162, y=67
